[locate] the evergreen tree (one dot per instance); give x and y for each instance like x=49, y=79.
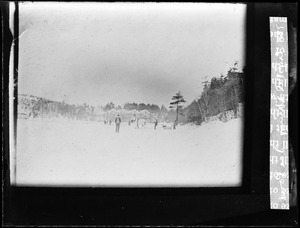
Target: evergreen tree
x=109, y=106
x=177, y=100
x=194, y=113
x=118, y=107
x=142, y=107
x=163, y=113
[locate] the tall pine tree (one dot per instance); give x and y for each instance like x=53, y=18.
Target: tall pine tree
x=177, y=100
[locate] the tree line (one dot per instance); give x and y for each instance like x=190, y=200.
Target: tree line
x=132, y=106
x=37, y=107
x=219, y=95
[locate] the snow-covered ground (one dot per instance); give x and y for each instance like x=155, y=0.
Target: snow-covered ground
x=77, y=153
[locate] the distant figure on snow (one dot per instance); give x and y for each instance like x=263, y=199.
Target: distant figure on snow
x=118, y=122
x=140, y=123
x=175, y=124
x=155, y=123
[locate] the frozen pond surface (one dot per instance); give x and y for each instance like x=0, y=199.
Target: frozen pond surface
x=75, y=153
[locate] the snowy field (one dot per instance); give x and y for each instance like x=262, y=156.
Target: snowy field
x=77, y=153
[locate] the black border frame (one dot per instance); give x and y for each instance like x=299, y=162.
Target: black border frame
x=246, y=205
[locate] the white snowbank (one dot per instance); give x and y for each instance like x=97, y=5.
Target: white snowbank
x=74, y=153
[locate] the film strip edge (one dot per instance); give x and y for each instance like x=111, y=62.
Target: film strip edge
x=279, y=140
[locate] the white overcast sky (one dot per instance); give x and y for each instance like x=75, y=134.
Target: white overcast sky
x=126, y=52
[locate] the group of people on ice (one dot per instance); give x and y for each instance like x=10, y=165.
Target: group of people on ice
x=140, y=122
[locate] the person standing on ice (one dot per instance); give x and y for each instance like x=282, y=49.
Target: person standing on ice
x=118, y=122
x=175, y=124
x=155, y=123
